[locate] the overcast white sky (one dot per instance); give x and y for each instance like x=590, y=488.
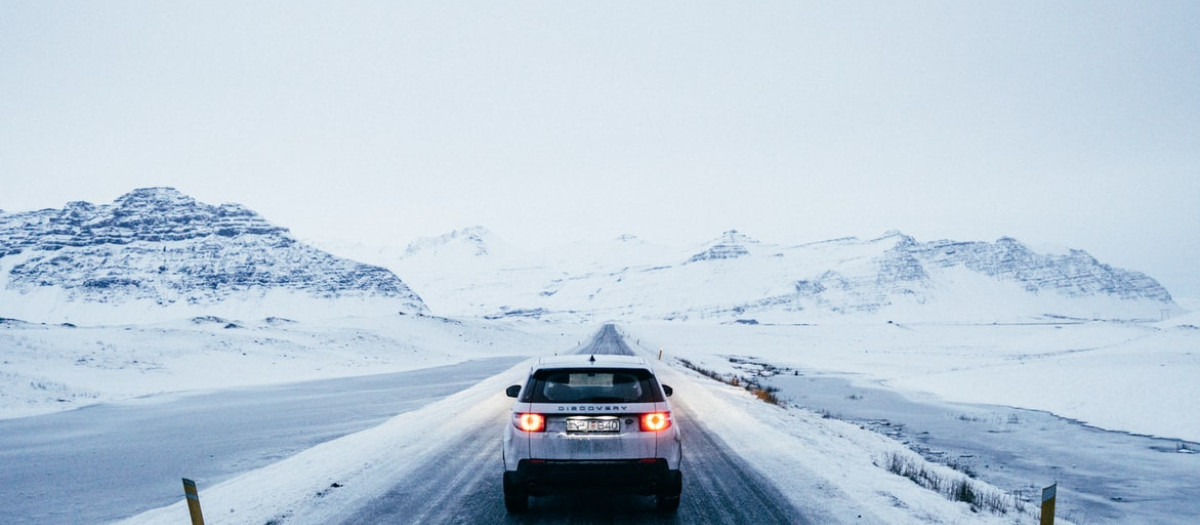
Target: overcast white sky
x=1066, y=123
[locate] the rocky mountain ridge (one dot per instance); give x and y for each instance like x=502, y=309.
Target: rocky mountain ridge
x=473, y=236
x=736, y=277
x=1076, y=274
x=163, y=250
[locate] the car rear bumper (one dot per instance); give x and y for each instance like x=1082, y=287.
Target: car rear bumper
x=541, y=477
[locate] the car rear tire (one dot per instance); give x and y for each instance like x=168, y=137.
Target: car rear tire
x=516, y=498
x=667, y=503
x=667, y=500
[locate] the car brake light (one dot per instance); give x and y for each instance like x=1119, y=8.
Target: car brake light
x=530, y=422
x=656, y=421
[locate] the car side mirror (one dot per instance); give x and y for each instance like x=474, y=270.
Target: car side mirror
x=513, y=391
x=668, y=390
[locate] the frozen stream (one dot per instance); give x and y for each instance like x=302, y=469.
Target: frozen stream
x=1102, y=476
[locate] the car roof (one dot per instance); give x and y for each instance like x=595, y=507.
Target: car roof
x=597, y=360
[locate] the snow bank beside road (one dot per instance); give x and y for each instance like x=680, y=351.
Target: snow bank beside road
x=1130, y=377
x=323, y=484
x=829, y=468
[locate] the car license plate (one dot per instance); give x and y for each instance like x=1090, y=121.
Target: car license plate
x=594, y=424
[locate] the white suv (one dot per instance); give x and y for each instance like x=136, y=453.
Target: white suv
x=591, y=423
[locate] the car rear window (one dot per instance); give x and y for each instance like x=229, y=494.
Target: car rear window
x=591, y=385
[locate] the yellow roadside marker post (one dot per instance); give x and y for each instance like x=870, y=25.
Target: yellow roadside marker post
x=193, y=501
x=1048, y=496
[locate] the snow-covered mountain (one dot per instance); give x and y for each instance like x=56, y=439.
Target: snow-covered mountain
x=738, y=278
x=476, y=271
x=156, y=253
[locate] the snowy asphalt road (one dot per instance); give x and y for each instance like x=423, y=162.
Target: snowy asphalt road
x=462, y=484
x=105, y=462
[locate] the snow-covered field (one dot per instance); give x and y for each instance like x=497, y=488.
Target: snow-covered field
x=48, y=368
x=1138, y=378
x=955, y=382
x=1131, y=377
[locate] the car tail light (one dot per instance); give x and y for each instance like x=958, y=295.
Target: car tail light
x=530, y=422
x=656, y=421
